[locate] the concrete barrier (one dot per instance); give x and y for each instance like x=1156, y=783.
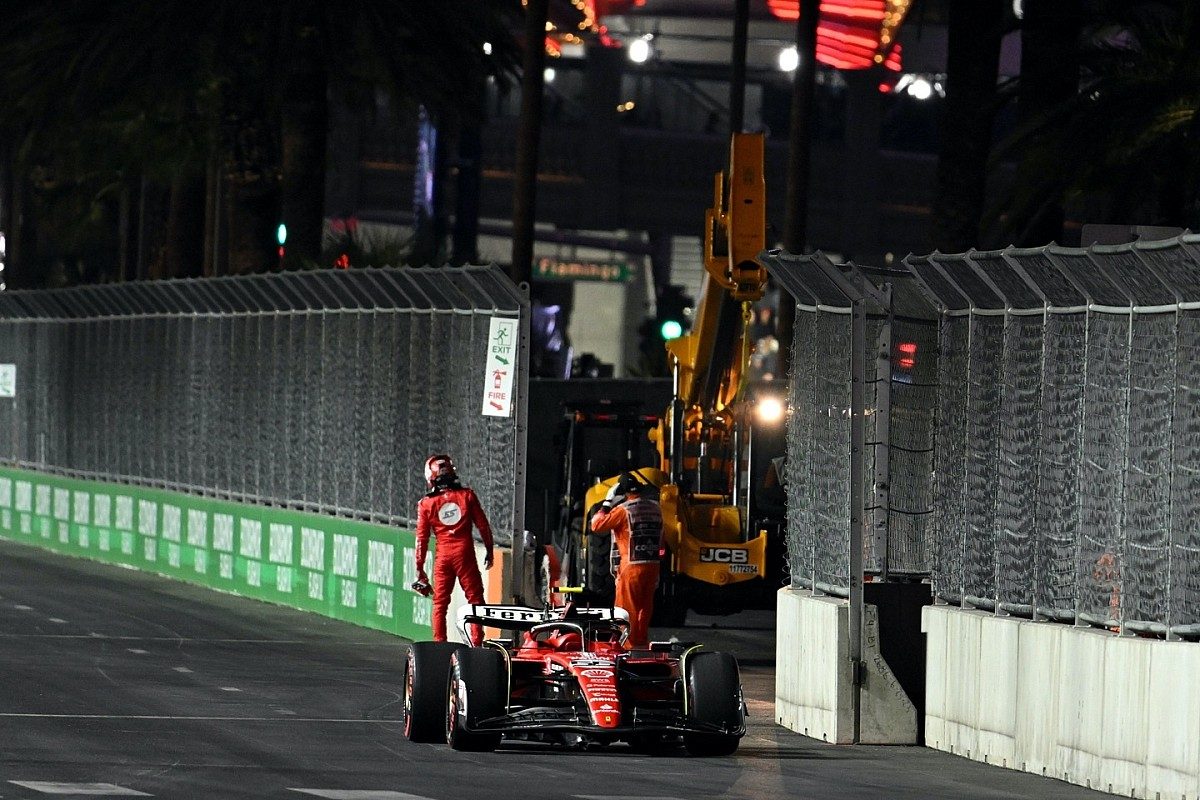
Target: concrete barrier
x=815, y=692
x=1115, y=713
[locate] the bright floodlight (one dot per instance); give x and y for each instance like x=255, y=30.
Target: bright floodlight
x=769, y=410
x=921, y=89
x=487, y=48
x=639, y=50
x=789, y=59
x=549, y=75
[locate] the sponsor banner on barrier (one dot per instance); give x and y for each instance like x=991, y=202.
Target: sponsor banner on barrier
x=340, y=568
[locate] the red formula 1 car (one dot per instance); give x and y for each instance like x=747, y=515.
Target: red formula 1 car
x=568, y=678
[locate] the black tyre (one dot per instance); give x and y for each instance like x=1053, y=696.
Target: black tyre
x=598, y=567
x=478, y=689
x=425, y=673
x=714, y=694
x=670, y=608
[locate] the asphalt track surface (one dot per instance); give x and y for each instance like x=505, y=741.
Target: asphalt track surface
x=119, y=683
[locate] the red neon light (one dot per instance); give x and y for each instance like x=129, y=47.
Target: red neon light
x=850, y=33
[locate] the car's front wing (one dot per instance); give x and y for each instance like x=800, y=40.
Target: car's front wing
x=572, y=720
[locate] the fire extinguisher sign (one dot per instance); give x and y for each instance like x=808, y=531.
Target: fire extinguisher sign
x=501, y=365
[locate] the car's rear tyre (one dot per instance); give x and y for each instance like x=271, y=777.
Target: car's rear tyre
x=670, y=608
x=714, y=690
x=478, y=689
x=425, y=673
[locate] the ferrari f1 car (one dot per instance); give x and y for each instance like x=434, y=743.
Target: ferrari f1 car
x=567, y=678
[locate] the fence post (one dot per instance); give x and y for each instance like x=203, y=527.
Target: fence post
x=521, y=445
x=883, y=433
x=858, y=347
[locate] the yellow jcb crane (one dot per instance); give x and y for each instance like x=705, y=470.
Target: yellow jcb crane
x=718, y=555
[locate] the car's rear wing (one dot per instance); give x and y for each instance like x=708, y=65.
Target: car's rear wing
x=523, y=618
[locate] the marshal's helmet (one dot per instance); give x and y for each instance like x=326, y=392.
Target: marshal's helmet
x=629, y=484
x=439, y=470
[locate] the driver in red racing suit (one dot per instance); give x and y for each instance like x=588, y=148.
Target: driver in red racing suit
x=448, y=512
x=636, y=525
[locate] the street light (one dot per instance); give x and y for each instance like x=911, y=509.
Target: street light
x=769, y=410
x=789, y=59
x=640, y=49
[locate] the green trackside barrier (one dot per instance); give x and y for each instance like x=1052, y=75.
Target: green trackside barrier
x=346, y=569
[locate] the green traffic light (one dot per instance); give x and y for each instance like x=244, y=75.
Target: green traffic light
x=671, y=329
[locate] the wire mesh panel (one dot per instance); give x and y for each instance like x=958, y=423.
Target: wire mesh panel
x=1184, y=574
x=321, y=390
x=898, y=367
x=1018, y=446
x=801, y=513
x=829, y=450
x=1067, y=449
x=912, y=441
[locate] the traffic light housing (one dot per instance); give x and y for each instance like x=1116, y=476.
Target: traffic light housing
x=674, y=312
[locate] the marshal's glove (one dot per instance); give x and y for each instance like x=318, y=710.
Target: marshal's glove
x=612, y=498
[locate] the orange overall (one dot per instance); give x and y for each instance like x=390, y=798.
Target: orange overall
x=637, y=530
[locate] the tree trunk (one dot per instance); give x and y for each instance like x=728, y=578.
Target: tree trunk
x=528, y=140
x=737, y=81
x=304, y=130
x=1049, y=76
x=251, y=210
x=795, y=226
x=469, y=181
x=182, y=252
x=972, y=67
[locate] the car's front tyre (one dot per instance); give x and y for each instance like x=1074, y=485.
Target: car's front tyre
x=477, y=690
x=714, y=690
x=425, y=672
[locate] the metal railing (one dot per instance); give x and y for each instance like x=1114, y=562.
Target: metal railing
x=323, y=390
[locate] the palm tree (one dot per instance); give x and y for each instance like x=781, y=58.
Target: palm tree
x=1050, y=31
x=1123, y=149
x=235, y=91
x=972, y=67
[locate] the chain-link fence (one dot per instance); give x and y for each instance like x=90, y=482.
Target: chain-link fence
x=324, y=390
x=874, y=330
x=1068, y=432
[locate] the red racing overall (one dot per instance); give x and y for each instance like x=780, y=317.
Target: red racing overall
x=637, y=530
x=448, y=513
